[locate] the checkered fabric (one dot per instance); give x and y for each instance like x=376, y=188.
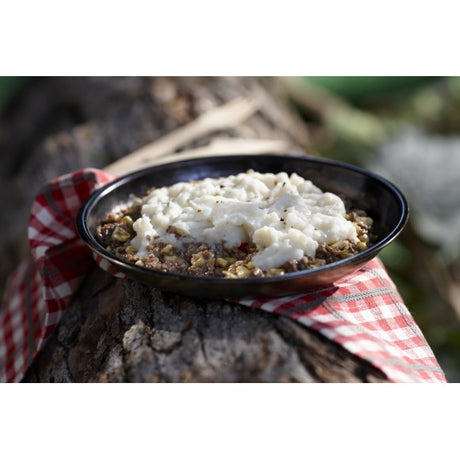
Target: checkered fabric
x=363, y=312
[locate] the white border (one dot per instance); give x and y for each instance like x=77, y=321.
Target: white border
x=356, y=37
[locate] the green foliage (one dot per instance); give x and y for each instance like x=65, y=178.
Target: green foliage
x=8, y=87
x=396, y=256
x=359, y=90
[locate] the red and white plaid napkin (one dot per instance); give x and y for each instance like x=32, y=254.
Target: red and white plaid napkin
x=362, y=312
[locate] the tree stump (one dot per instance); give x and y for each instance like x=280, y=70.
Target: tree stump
x=120, y=330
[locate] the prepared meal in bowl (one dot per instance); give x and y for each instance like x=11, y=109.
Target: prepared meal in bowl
x=239, y=226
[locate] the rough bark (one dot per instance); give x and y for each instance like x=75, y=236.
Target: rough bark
x=121, y=331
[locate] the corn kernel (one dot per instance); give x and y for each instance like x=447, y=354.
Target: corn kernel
x=275, y=271
x=221, y=262
x=121, y=235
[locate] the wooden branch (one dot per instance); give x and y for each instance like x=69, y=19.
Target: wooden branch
x=225, y=117
x=215, y=148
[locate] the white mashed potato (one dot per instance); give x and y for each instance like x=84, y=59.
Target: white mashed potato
x=285, y=216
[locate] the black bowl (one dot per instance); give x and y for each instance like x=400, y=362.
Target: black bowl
x=361, y=188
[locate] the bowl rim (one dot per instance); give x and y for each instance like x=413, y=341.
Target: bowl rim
x=126, y=266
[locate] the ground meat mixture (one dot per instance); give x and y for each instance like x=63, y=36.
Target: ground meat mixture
x=116, y=232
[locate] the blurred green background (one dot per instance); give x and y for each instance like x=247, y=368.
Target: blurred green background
x=408, y=130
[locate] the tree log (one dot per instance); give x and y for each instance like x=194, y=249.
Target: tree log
x=120, y=330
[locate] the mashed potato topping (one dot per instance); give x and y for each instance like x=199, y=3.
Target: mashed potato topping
x=285, y=216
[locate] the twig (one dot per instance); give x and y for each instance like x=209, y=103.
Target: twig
x=226, y=116
x=226, y=147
